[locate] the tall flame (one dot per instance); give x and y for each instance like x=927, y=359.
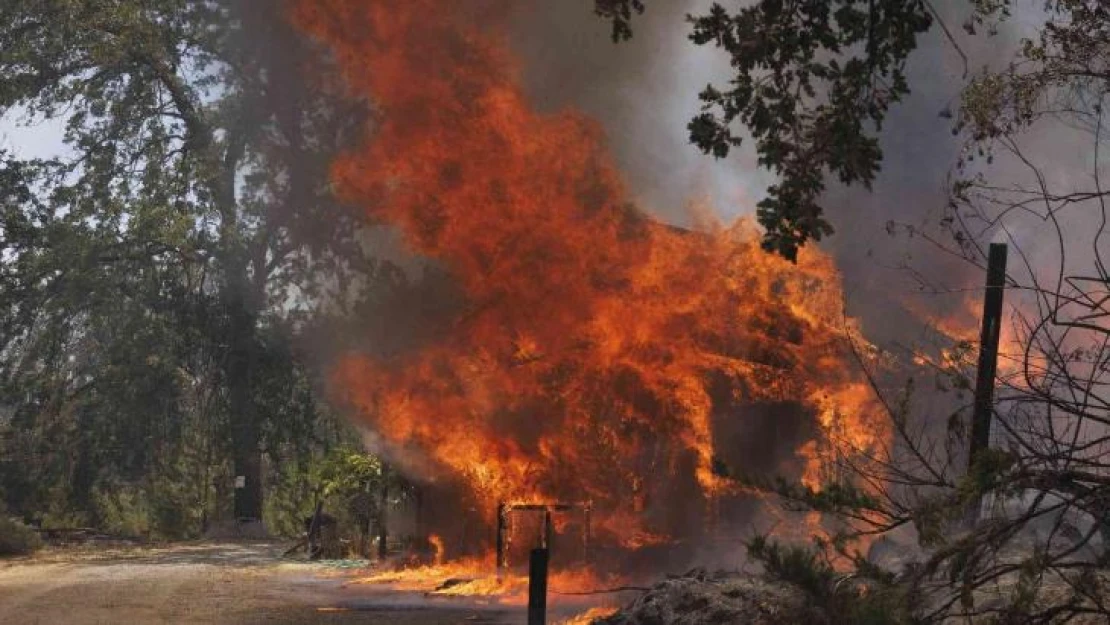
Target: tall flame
x=597, y=348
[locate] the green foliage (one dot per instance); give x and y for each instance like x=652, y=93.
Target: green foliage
x=988, y=473
x=833, y=498
x=301, y=476
x=154, y=278
x=347, y=472
x=16, y=539
x=843, y=599
x=933, y=517
x=354, y=487
x=795, y=564
x=813, y=82
x=1055, y=72
x=619, y=12
x=124, y=511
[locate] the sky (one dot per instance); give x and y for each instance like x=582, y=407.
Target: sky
x=40, y=139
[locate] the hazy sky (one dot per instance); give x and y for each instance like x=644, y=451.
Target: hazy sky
x=39, y=140
x=644, y=92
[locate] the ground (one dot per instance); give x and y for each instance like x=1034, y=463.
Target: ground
x=225, y=584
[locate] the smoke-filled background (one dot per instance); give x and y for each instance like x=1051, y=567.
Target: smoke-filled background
x=645, y=91
x=893, y=244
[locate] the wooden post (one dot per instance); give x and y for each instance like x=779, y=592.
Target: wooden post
x=548, y=530
x=537, y=587
x=988, y=361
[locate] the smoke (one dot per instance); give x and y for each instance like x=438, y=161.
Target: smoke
x=643, y=92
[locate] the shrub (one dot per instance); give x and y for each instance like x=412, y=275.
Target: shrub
x=868, y=596
x=16, y=539
x=123, y=510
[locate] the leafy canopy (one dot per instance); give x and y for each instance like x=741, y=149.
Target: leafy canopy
x=813, y=81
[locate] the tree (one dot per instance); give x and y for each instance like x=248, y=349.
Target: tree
x=813, y=82
x=196, y=194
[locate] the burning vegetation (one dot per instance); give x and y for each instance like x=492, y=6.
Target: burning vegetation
x=599, y=356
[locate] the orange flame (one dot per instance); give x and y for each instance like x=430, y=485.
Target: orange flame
x=438, y=546
x=591, y=615
x=598, y=347
x=472, y=578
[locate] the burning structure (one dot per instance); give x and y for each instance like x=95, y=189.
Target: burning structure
x=598, y=355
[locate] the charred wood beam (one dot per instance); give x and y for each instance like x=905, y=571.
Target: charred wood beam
x=537, y=587
x=988, y=361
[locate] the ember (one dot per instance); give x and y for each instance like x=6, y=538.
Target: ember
x=600, y=355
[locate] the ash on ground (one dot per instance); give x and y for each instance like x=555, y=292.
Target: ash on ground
x=702, y=598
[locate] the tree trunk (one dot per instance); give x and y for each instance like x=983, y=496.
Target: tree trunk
x=383, y=535
x=364, y=536
x=247, y=451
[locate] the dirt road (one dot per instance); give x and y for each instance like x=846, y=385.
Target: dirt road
x=225, y=584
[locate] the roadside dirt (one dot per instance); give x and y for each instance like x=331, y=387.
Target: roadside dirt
x=225, y=584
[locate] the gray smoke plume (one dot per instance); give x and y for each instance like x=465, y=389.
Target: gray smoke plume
x=645, y=91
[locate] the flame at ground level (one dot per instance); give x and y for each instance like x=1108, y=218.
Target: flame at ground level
x=597, y=355
x=476, y=578
x=591, y=615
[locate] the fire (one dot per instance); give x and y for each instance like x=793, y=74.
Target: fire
x=429, y=578
x=438, y=546
x=591, y=615
x=597, y=348
x=473, y=578
x=961, y=326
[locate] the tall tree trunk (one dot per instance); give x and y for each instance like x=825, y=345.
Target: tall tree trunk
x=242, y=309
x=246, y=435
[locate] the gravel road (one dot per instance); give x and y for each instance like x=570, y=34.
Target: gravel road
x=226, y=584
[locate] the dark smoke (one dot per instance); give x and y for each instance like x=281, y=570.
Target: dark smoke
x=645, y=91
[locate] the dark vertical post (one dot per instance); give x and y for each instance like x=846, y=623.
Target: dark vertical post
x=537, y=587
x=502, y=517
x=988, y=359
x=548, y=529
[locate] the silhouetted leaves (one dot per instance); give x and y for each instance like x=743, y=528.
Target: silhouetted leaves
x=813, y=82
